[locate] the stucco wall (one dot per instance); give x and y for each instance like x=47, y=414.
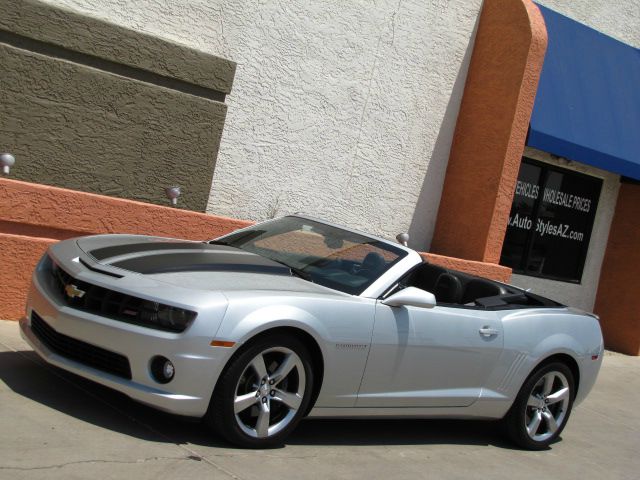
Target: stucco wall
x=618, y=18
x=340, y=109
x=87, y=105
x=581, y=295
x=617, y=301
x=491, y=130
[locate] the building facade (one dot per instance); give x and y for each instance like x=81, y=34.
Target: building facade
x=437, y=118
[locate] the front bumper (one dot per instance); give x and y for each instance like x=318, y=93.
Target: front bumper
x=197, y=364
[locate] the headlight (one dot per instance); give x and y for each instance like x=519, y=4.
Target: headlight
x=109, y=303
x=165, y=317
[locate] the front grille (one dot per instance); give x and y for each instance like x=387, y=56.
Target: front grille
x=82, y=352
x=95, y=299
x=109, y=303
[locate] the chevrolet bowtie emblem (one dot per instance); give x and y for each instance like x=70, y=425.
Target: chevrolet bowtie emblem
x=73, y=292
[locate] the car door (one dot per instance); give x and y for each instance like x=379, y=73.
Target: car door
x=429, y=357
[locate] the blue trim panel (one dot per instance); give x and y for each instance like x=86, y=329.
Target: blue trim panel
x=588, y=103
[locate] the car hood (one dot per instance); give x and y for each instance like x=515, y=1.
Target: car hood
x=189, y=264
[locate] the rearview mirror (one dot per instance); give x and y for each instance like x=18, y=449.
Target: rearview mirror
x=411, y=297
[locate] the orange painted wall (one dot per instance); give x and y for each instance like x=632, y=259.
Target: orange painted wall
x=18, y=257
x=618, y=298
x=33, y=216
x=60, y=213
x=491, y=131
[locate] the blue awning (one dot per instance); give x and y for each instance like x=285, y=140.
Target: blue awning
x=587, y=107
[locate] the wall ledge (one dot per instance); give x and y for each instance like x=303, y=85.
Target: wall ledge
x=79, y=213
x=83, y=34
x=473, y=267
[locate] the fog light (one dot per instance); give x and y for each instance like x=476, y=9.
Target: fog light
x=168, y=369
x=162, y=369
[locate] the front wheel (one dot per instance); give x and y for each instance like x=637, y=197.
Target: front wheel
x=542, y=408
x=264, y=393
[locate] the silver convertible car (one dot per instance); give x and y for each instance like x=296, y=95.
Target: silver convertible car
x=297, y=317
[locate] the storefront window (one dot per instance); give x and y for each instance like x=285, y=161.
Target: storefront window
x=550, y=222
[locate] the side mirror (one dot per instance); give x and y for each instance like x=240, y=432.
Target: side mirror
x=411, y=297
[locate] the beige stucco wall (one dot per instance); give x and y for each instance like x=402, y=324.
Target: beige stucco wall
x=339, y=109
x=581, y=295
x=343, y=110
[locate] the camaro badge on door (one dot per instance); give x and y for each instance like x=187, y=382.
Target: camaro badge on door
x=73, y=292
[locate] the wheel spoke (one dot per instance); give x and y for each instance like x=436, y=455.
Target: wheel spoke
x=243, y=402
x=289, y=363
x=551, y=421
x=533, y=426
x=549, y=378
x=262, y=425
x=533, y=401
x=558, y=396
x=291, y=400
x=260, y=368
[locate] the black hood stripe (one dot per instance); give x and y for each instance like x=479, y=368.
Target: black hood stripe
x=202, y=261
x=117, y=250
x=199, y=267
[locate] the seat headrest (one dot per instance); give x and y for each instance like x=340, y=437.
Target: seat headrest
x=373, y=261
x=448, y=289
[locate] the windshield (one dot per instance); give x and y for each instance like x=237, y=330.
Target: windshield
x=320, y=253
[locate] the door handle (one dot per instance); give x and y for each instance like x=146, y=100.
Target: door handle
x=487, y=331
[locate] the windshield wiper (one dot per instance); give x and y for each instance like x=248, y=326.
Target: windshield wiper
x=300, y=273
x=296, y=272
x=218, y=242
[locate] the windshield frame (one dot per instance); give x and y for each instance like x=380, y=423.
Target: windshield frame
x=405, y=257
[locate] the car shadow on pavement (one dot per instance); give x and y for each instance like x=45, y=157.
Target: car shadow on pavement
x=399, y=432
x=28, y=376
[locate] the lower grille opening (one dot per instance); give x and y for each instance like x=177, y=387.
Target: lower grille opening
x=81, y=352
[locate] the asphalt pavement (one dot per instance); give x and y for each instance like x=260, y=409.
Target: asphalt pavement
x=56, y=425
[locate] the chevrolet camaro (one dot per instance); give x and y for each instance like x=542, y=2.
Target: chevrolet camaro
x=298, y=317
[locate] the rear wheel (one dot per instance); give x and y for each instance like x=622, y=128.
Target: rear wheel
x=264, y=393
x=542, y=408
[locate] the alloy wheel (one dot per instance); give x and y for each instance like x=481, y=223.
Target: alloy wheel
x=269, y=392
x=547, y=406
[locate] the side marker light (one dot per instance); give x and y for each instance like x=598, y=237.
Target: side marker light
x=220, y=343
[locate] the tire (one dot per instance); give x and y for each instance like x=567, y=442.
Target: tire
x=263, y=393
x=542, y=408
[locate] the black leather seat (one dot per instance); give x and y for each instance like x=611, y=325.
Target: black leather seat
x=426, y=276
x=477, y=288
x=448, y=289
